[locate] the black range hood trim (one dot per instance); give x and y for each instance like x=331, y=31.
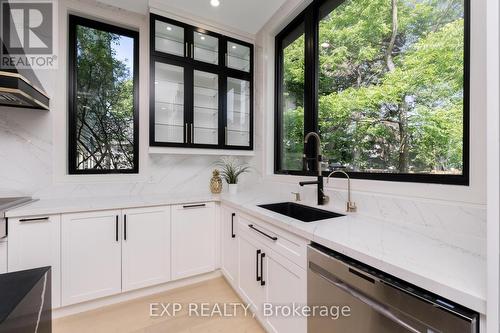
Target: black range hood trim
x=17, y=85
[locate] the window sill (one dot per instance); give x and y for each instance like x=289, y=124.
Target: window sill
x=199, y=151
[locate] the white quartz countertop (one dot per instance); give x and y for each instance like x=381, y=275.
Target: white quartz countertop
x=451, y=272
x=432, y=264
x=75, y=205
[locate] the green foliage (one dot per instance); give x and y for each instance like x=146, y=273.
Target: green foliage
x=376, y=117
x=231, y=170
x=105, y=107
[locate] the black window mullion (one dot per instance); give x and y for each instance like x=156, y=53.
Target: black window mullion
x=310, y=84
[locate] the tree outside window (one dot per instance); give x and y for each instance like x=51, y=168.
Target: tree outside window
x=391, y=87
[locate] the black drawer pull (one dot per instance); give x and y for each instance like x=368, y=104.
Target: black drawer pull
x=257, y=277
x=262, y=232
x=194, y=206
x=41, y=219
x=124, y=227
x=116, y=228
x=262, y=282
x=232, y=225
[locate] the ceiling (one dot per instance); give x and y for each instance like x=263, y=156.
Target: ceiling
x=247, y=16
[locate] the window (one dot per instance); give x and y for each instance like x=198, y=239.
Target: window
x=103, y=98
x=386, y=88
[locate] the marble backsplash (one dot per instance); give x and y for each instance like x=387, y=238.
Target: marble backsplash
x=27, y=167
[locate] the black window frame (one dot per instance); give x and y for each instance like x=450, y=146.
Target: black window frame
x=310, y=18
x=73, y=22
x=190, y=65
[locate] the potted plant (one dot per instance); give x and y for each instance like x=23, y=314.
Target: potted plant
x=231, y=170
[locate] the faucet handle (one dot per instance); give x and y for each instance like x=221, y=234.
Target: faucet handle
x=351, y=207
x=297, y=196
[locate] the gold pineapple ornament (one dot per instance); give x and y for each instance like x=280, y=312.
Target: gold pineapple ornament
x=216, y=182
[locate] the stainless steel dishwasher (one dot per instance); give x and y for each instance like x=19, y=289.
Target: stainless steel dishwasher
x=374, y=302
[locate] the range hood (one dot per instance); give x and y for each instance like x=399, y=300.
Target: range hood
x=21, y=90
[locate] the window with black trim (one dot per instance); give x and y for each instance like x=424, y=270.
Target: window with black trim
x=385, y=83
x=103, y=98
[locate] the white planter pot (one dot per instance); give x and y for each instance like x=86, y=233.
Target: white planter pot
x=233, y=188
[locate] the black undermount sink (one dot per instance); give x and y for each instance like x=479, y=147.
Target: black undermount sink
x=300, y=212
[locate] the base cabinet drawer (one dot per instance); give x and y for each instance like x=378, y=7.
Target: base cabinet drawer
x=288, y=245
x=193, y=239
x=34, y=242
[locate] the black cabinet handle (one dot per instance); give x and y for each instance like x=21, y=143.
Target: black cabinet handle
x=262, y=282
x=125, y=227
x=262, y=233
x=116, y=228
x=37, y=219
x=232, y=225
x=257, y=277
x=6, y=228
x=194, y=206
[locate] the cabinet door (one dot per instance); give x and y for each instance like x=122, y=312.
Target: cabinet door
x=91, y=256
x=170, y=123
x=36, y=242
x=193, y=239
x=286, y=284
x=249, y=282
x=229, y=245
x=205, y=47
x=238, y=57
x=145, y=247
x=3, y=257
x=238, y=113
x=169, y=38
x=205, y=129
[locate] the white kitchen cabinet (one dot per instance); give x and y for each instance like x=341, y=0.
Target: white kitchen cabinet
x=91, y=256
x=193, y=239
x=229, y=245
x=145, y=247
x=286, y=284
x=36, y=242
x=268, y=277
x=250, y=285
x=3, y=257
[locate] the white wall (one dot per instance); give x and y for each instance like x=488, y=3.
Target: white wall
x=33, y=144
x=493, y=162
x=474, y=194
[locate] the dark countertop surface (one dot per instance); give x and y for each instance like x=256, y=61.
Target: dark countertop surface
x=15, y=286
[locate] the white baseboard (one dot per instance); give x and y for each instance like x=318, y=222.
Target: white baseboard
x=131, y=295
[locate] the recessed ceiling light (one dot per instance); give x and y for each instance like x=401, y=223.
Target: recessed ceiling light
x=169, y=28
x=215, y=3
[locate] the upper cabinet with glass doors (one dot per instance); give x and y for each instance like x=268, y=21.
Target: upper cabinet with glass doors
x=201, y=88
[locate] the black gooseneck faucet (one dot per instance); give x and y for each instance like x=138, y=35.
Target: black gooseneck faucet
x=322, y=198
